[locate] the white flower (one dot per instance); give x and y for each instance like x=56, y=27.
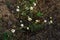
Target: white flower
x=50, y=17
x=37, y=20
x=12, y=30
x=17, y=6
x=17, y=10
x=31, y=8
x=51, y=21
x=22, y=25
x=27, y=28
x=29, y=19
x=20, y=20
x=34, y=3
x=45, y=21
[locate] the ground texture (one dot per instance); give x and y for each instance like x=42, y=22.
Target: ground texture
x=8, y=21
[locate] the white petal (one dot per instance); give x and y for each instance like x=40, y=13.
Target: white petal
x=17, y=10
x=37, y=20
x=51, y=21
x=20, y=20
x=17, y=6
x=34, y=3
x=50, y=17
x=27, y=28
x=22, y=25
x=29, y=19
x=12, y=30
x=45, y=21
x=31, y=8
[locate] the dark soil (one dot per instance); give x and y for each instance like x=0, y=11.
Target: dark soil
x=49, y=32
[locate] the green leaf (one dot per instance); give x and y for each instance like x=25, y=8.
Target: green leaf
x=8, y=3
x=32, y=1
x=5, y=36
x=39, y=14
x=35, y=27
